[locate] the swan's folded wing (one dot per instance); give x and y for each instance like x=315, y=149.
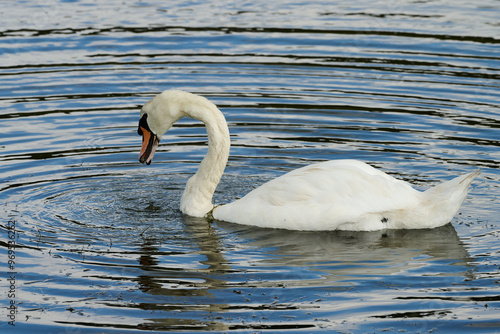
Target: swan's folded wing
x=321, y=197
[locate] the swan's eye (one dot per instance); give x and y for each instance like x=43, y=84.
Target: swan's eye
x=143, y=123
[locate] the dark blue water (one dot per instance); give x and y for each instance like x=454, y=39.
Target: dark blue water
x=96, y=240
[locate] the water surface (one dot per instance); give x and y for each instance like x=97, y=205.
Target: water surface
x=100, y=245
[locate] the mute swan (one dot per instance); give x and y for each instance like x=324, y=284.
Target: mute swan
x=331, y=195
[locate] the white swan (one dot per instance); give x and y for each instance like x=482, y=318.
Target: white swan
x=331, y=195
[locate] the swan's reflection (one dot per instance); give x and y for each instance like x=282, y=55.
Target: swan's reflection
x=337, y=255
x=199, y=280
x=341, y=254
x=391, y=245
x=192, y=292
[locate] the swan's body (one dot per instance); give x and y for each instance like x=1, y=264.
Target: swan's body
x=331, y=195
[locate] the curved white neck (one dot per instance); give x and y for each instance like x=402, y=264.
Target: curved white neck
x=197, y=197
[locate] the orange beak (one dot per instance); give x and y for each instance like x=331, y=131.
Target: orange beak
x=149, y=144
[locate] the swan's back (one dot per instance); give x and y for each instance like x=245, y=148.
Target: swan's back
x=337, y=194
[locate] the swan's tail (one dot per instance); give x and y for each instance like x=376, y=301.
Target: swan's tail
x=445, y=199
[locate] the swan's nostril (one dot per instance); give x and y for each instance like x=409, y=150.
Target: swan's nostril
x=143, y=124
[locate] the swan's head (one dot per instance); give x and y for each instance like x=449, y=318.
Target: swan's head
x=157, y=116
